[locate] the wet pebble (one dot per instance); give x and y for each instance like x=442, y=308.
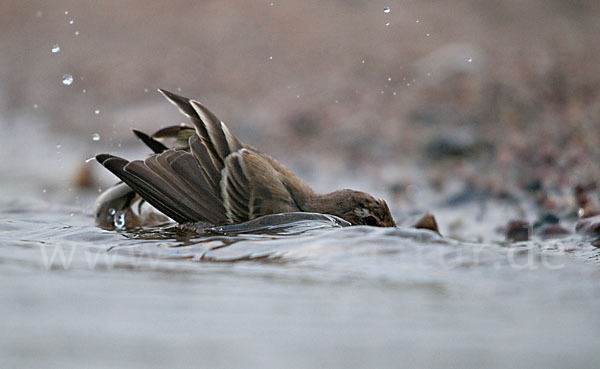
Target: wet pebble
x=547, y=231
x=589, y=226
x=427, y=221
x=517, y=230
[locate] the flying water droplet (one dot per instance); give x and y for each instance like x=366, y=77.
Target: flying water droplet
x=387, y=23
x=35, y=106
x=55, y=48
x=469, y=60
x=270, y=58
x=389, y=78
x=111, y=211
x=71, y=21
x=67, y=79
x=58, y=146
x=44, y=190
x=76, y=33
x=417, y=21
x=95, y=137
x=387, y=9
x=39, y=14
x=84, y=90
x=427, y=35
x=96, y=111
x=66, y=12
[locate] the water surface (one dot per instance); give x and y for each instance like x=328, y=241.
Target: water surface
x=311, y=293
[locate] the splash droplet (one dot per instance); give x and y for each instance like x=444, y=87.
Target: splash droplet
x=67, y=79
x=387, y=9
x=95, y=137
x=55, y=48
x=119, y=220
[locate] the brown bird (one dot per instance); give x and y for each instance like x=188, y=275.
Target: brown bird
x=221, y=180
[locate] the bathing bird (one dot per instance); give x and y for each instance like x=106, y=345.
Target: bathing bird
x=208, y=175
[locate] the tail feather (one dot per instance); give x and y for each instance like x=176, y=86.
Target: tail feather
x=154, y=145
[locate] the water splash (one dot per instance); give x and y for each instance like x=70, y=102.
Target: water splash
x=119, y=220
x=67, y=79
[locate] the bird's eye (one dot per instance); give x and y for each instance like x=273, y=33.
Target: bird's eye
x=370, y=220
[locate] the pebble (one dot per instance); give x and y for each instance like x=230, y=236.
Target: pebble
x=518, y=230
x=589, y=226
x=427, y=221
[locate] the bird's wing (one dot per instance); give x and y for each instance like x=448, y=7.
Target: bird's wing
x=220, y=180
x=251, y=187
x=171, y=182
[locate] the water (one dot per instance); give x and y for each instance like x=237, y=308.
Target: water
x=67, y=79
x=306, y=294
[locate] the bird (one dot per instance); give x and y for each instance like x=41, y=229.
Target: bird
x=211, y=176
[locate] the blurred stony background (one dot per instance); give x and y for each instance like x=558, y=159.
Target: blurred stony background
x=500, y=95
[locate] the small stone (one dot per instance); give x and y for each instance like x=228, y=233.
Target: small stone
x=427, y=221
x=552, y=231
x=518, y=230
x=589, y=226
